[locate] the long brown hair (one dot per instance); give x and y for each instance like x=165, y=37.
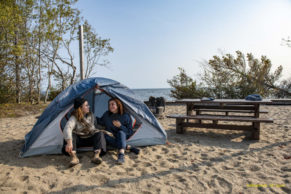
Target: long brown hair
x=78, y=113
x=119, y=105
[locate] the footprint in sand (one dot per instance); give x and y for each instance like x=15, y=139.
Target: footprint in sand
x=261, y=176
x=121, y=173
x=195, y=167
x=199, y=186
x=262, y=189
x=52, y=185
x=243, y=174
x=154, y=168
x=254, y=168
x=181, y=179
x=30, y=188
x=226, y=168
x=216, y=159
x=165, y=150
x=204, y=157
x=101, y=179
x=24, y=178
x=236, y=164
x=223, y=183
x=173, y=160
x=164, y=163
x=147, y=164
x=286, y=169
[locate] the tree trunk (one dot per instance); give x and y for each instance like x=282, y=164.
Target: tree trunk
x=49, y=83
x=39, y=76
x=74, y=74
x=17, y=72
x=39, y=63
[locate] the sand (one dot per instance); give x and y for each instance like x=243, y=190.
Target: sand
x=199, y=161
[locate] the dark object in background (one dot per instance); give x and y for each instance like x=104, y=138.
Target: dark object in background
x=160, y=101
x=157, y=105
x=152, y=101
x=254, y=97
x=207, y=99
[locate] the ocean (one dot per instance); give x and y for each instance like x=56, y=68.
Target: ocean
x=144, y=94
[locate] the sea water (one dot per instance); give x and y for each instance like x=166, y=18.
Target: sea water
x=144, y=94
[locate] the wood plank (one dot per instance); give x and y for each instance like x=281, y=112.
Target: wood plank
x=244, y=116
x=229, y=101
x=225, y=107
x=226, y=110
x=219, y=126
x=221, y=118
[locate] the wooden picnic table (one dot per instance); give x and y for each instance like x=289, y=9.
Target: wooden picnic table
x=241, y=106
x=224, y=104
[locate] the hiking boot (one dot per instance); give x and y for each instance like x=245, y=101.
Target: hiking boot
x=74, y=159
x=120, y=159
x=132, y=149
x=96, y=159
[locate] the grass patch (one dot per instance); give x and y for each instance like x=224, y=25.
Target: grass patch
x=12, y=110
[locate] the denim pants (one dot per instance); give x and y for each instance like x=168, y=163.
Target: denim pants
x=118, y=141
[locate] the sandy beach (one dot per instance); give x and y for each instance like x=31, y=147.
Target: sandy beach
x=199, y=161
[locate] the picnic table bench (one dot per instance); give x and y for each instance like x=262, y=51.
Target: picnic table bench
x=222, y=105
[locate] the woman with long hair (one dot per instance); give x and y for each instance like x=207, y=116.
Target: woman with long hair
x=119, y=123
x=80, y=131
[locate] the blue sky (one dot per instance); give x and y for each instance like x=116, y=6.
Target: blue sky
x=152, y=38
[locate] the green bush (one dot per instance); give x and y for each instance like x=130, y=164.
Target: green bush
x=184, y=87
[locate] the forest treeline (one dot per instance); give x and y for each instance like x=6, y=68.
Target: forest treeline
x=233, y=77
x=38, y=41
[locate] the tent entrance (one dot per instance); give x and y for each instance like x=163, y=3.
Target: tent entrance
x=98, y=101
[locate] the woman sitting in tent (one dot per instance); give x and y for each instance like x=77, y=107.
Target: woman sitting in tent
x=119, y=124
x=80, y=131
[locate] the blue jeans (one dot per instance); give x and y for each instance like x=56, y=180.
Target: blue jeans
x=118, y=141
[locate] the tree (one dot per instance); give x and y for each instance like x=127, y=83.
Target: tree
x=37, y=39
x=229, y=77
x=284, y=89
x=61, y=16
x=185, y=87
x=11, y=40
x=95, y=47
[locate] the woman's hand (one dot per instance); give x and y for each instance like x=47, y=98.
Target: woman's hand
x=116, y=123
x=69, y=146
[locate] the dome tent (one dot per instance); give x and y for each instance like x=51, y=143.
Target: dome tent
x=46, y=137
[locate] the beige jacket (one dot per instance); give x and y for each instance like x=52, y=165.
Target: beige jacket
x=84, y=129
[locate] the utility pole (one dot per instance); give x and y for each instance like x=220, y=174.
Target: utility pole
x=81, y=52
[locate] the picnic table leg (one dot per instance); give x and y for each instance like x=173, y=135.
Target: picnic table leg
x=179, y=127
x=257, y=110
x=189, y=110
x=198, y=113
x=256, y=125
x=256, y=132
